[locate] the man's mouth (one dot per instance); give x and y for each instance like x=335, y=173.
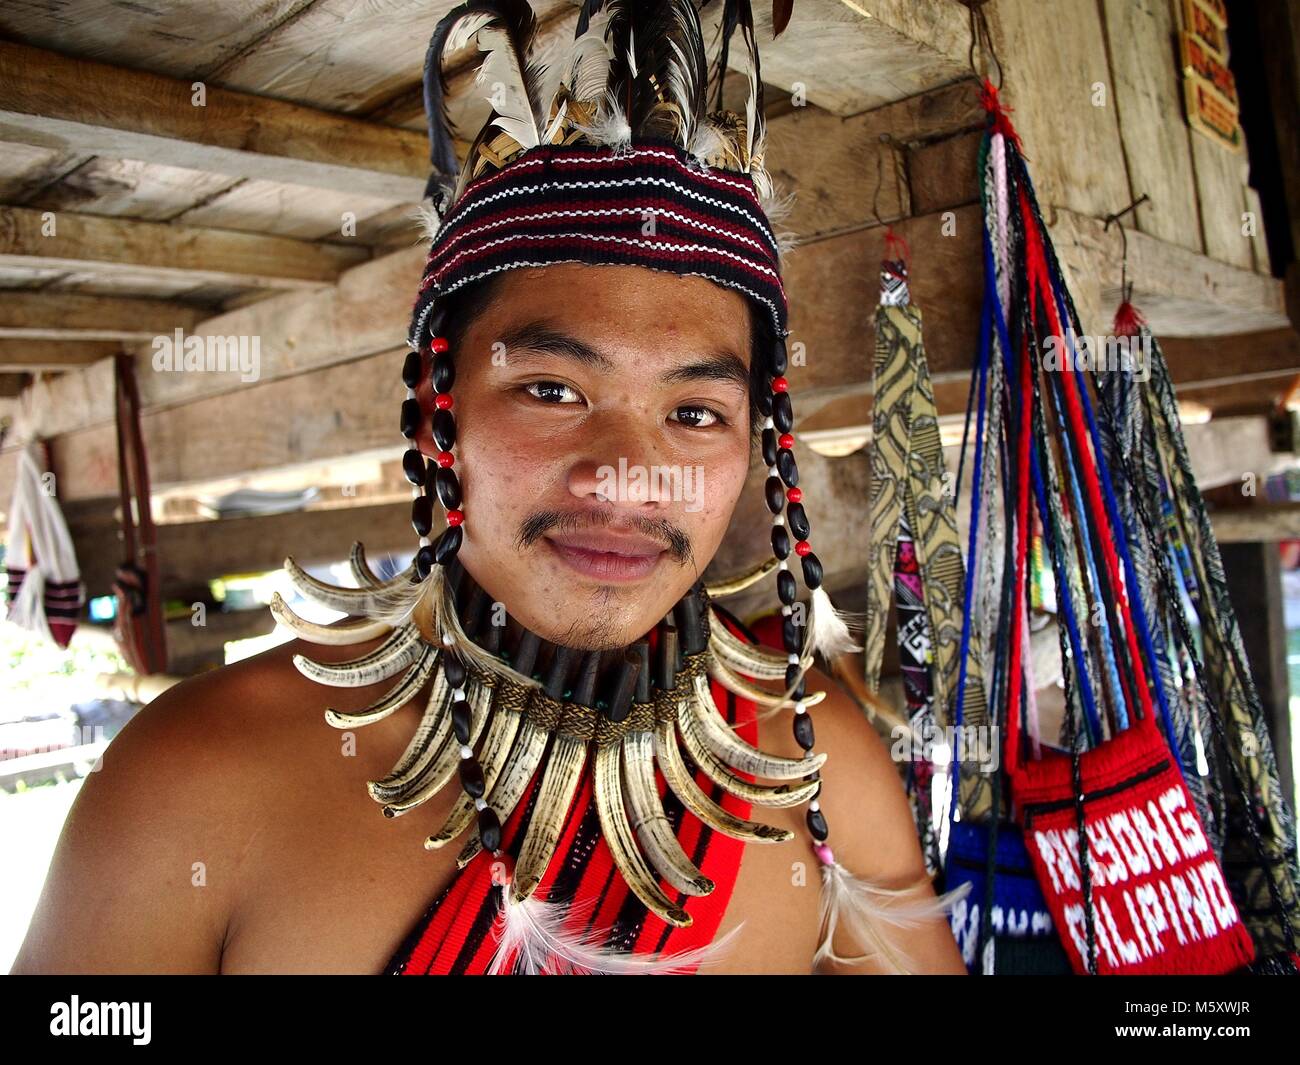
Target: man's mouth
x=606, y=557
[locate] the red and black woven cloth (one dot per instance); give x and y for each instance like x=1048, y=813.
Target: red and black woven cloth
x=649, y=205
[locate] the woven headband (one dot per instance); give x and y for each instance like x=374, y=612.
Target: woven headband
x=648, y=205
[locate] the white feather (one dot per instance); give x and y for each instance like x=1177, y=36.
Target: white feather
x=610, y=126
x=508, y=92
x=587, y=75
x=873, y=916
x=532, y=939
x=429, y=220
x=829, y=629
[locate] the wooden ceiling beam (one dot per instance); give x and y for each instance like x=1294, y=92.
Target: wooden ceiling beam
x=72, y=316
x=58, y=102
x=31, y=356
x=62, y=240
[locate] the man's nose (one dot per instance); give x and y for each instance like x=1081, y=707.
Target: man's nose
x=619, y=463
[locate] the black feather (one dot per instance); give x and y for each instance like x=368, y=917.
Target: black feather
x=517, y=19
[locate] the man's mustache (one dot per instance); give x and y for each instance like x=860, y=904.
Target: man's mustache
x=676, y=542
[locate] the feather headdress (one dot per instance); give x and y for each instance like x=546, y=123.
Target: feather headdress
x=637, y=69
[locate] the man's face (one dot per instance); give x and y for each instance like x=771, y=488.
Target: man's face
x=603, y=440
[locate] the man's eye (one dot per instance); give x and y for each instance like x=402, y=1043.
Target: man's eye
x=547, y=388
x=697, y=417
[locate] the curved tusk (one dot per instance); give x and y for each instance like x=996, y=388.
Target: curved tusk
x=337, y=635
x=738, y=584
x=779, y=796
x=734, y=750
x=653, y=829
x=618, y=837
x=394, y=654
x=716, y=817
x=560, y=781
x=399, y=695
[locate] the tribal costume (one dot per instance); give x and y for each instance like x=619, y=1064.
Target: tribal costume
x=564, y=869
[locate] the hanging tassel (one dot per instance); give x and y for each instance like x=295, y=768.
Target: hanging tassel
x=868, y=911
x=532, y=940
x=829, y=629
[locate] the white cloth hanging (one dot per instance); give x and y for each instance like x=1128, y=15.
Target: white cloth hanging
x=45, y=589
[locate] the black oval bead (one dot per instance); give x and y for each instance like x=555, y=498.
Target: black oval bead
x=774, y=493
x=779, y=357
x=764, y=402
x=448, y=486
x=780, y=541
x=787, y=467
x=422, y=515
x=812, y=571
x=411, y=368
x=454, y=670
x=410, y=421
x=769, y=447
x=803, y=731
x=444, y=429
x=489, y=830
x=797, y=519
x=424, y=560
x=817, y=826
x=437, y=319
x=471, y=778
x=792, y=635
x=413, y=466
x=785, y=586
x=460, y=715
x=782, y=412
x=444, y=372
x=448, y=544
x=798, y=691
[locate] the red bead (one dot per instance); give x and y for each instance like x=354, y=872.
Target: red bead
x=438, y=345
x=455, y=517
x=802, y=548
x=446, y=459
x=795, y=495
x=780, y=384
x=443, y=401
x=785, y=440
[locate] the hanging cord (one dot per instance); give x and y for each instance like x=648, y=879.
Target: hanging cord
x=1125, y=288
x=896, y=248
x=981, y=35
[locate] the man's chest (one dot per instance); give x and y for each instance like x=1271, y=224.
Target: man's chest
x=330, y=885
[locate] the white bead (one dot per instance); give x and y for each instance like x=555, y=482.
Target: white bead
x=786, y=610
x=466, y=752
x=792, y=658
x=779, y=519
x=448, y=640
x=801, y=707
x=783, y=564
x=772, y=471
x=768, y=423
x=410, y=393
x=458, y=693
x=814, y=805
x=425, y=541
x=480, y=804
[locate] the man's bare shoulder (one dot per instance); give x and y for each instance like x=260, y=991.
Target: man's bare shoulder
x=149, y=864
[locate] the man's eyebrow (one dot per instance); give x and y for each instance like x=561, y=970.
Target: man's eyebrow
x=534, y=340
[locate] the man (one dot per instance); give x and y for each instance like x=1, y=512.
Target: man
x=229, y=830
